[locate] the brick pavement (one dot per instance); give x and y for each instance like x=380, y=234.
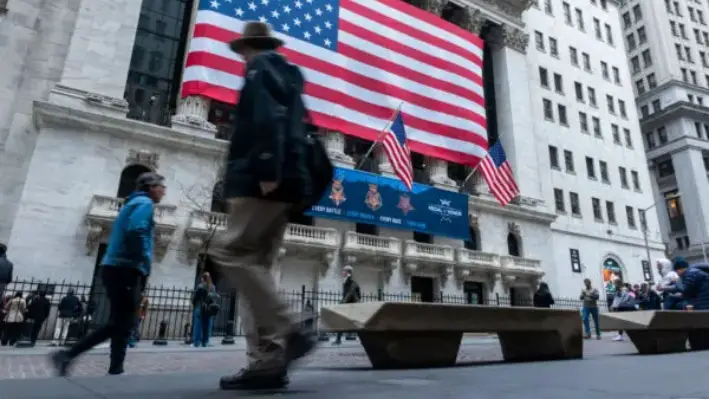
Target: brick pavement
x=173, y=359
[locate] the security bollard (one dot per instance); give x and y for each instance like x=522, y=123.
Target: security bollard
x=229, y=336
x=162, y=332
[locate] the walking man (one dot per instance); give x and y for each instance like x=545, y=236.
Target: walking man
x=126, y=267
x=266, y=180
x=6, y=269
x=350, y=294
x=589, y=296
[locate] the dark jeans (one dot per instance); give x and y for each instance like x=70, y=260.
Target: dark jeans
x=12, y=333
x=124, y=287
x=36, y=328
x=593, y=313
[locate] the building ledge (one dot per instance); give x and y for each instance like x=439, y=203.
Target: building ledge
x=680, y=109
x=512, y=211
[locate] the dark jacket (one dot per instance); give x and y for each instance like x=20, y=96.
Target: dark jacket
x=269, y=143
x=38, y=308
x=695, y=289
x=6, y=269
x=650, y=301
x=350, y=291
x=131, y=241
x=70, y=306
x=543, y=299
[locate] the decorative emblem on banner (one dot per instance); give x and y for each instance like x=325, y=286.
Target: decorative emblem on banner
x=445, y=210
x=337, y=194
x=405, y=204
x=373, y=198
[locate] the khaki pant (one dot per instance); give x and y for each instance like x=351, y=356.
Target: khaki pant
x=245, y=253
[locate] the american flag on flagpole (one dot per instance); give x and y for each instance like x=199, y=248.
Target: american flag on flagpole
x=394, y=142
x=498, y=174
x=358, y=58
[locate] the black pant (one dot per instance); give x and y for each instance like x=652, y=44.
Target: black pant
x=204, y=319
x=36, y=328
x=12, y=333
x=124, y=287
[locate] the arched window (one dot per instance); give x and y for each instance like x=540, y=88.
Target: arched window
x=473, y=243
x=129, y=176
x=218, y=202
x=513, y=245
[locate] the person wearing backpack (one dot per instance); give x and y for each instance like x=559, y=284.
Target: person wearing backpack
x=206, y=306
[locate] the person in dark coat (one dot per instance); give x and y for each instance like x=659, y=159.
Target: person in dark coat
x=6, y=270
x=267, y=179
x=350, y=294
x=68, y=310
x=543, y=297
x=695, y=283
x=38, y=311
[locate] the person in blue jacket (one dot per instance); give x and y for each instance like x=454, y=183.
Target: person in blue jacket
x=695, y=283
x=126, y=267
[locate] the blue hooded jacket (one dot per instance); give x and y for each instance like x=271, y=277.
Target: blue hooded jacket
x=695, y=288
x=131, y=241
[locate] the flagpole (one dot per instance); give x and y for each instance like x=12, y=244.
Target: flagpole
x=462, y=185
x=386, y=127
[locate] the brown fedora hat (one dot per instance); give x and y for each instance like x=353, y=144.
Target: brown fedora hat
x=257, y=35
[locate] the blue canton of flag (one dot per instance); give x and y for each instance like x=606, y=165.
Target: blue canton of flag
x=313, y=21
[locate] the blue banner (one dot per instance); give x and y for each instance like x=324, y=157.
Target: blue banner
x=363, y=197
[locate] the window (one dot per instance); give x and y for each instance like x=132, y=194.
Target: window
x=693, y=75
x=578, y=88
x=539, y=40
x=677, y=9
x=698, y=129
x=629, y=211
x=637, y=13
x=678, y=51
x=610, y=102
x=574, y=55
x=635, y=65
x=563, y=118
x=616, y=75
x=640, y=86
x=647, y=58
x=684, y=74
x=559, y=200
x=651, y=81
x=553, y=47
x=656, y=106
x=632, y=45
x=650, y=140
x=579, y=20
x=558, y=83
x=575, y=206
x=628, y=139
x=697, y=36
x=627, y=22
x=662, y=135
x=597, y=29
x=622, y=110
x=642, y=36
x=688, y=54
x=604, y=70
x=615, y=130
x=673, y=28
x=643, y=219
x=592, y=97
x=543, y=77
x=604, y=5
x=567, y=13
x=596, y=127
x=682, y=31
x=610, y=211
x=692, y=16
x=597, y=213
x=583, y=122
x=553, y=157
x=644, y=111
x=548, y=8
x=586, y=61
x=675, y=211
x=548, y=110
x=590, y=168
x=569, y=161
x=603, y=169
x=623, y=177
x=635, y=177
x=700, y=17
x=609, y=35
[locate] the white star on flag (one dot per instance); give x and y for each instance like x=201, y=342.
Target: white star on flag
x=215, y=4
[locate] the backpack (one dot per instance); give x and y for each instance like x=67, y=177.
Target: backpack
x=210, y=304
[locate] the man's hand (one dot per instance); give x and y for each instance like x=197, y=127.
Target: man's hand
x=268, y=186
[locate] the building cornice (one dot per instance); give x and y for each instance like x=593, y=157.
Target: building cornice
x=511, y=211
x=680, y=109
x=648, y=95
x=625, y=240
x=676, y=146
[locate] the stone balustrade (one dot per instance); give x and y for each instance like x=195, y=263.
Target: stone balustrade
x=366, y=243
x=314, y=236
x=418, y=251
x=468, y=258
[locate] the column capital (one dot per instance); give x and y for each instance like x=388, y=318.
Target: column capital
x=335, y=147
x=438, y=174
x=433, y=6
x=470, y=19
x=192, y=116
x=508, y=36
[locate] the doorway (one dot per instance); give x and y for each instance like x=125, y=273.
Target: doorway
x=473, y=292
x=422, y=288
x=520, y=296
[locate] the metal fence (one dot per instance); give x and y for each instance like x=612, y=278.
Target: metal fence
x=172, y=306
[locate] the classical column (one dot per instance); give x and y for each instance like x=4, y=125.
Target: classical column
x=438, y=174
x=335, y=146
x=193, y=117
x=692, y=185
x=470, y=19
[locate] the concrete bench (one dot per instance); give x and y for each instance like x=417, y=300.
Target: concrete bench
x=413, y=335
x=661, y=331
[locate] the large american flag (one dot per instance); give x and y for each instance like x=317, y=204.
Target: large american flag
x=497, y=172
x=361, y=58
x=397, y=150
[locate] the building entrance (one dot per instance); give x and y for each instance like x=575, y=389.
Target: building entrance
x=422, y=288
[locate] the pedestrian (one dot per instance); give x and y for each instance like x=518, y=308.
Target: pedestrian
x=648, y=298
x=6, y=269
x=268, y=178
x=624, y=301
x=351, y=293
x=590, y=296
x=14, y=319
x=205, y=303
x=695, y=284
x=126, y=267
x=38, y=311
x=542, y=297
x=142, y=314
x=68, y=312
x=670, y=286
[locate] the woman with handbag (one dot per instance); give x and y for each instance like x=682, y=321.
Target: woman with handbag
x=14, y=319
